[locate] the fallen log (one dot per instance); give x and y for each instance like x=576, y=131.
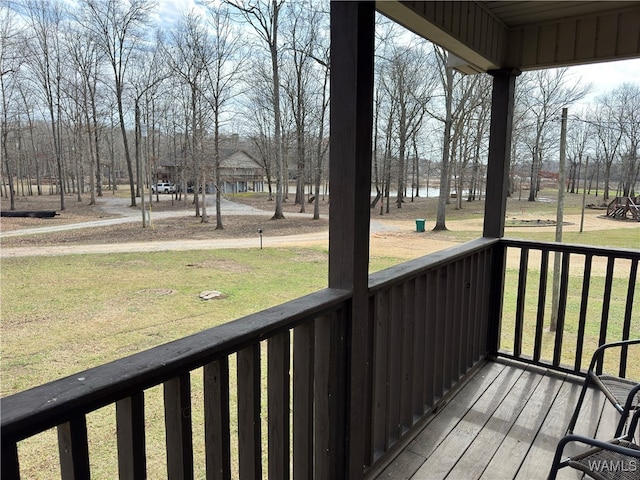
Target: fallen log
x=29, y=213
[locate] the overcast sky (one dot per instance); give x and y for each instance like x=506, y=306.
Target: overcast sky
x=609, y=75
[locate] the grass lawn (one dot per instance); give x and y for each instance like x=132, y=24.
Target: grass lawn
x=55, y=321
x=63, y=314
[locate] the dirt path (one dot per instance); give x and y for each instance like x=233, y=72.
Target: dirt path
x=389, y=237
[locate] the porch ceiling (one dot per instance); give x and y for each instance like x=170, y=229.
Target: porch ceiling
x=525, y=35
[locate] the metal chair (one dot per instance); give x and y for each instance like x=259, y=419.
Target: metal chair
x=615, y=388
x=617, y=459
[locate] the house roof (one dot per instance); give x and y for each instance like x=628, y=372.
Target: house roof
x=523, y=35
x=238, y=159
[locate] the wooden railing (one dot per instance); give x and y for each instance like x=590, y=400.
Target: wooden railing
x=310, y=329
x=430, y=324
x=595, y=290
x=431, y=320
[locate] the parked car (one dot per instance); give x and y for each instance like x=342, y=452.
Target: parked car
x=163, y=188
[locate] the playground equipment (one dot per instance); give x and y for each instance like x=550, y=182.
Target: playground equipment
x=621, y=207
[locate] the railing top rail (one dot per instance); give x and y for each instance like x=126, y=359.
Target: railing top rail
x=406, y=270
x=627, y=253
x=31, y=411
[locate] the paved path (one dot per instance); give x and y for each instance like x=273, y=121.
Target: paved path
x=120, y=206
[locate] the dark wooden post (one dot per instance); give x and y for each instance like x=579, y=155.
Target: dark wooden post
x=352, y=41
x=504, y=82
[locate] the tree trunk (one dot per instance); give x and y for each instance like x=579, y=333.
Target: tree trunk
x=125, y=142
x=446, y=150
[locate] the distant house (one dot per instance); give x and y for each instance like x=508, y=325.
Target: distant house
x=240, y=172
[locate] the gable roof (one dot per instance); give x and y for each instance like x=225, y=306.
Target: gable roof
x=239, y=159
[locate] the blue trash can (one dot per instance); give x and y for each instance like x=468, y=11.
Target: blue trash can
x=420, y=224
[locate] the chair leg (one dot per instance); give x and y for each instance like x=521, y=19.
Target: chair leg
x=557, y=458
x=621, y=424
x=574, y=418
x=625, y=414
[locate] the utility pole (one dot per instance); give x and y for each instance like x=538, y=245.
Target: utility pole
x=559, y=218
x=584, y=193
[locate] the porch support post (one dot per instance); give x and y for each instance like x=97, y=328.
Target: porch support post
x=499, y=151
x=502, y=100
x=351, y=120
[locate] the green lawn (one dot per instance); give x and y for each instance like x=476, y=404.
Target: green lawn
x=63, y=314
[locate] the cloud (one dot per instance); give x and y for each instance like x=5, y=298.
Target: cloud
x=607, y=76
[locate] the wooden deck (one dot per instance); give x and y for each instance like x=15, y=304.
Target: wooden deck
x=503, y=424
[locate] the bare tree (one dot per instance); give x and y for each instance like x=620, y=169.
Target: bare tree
x=469, y=127
x=87, y=59
x=9, y=66
x=446, y=79
x=609, y=136
x=263, y=140
x=263, y=17
x=552, y=92
x=45, y=62
x=627, y=118
x=222, y=75
x=579, y=142
x=190, y=59
x=410, y=86
x=117, y=25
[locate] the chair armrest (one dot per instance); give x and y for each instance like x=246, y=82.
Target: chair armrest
x=598, y=355
x=592, y=442
x=605, y=445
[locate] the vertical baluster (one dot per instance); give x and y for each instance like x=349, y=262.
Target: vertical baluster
x=303, y=361
x=450, y=296
x=606, y=301
x=479, y=292
x=419, y=346
x=466, y=322
x=394, y=379
x=74, y=449
x=249, y=429
x=132, y=456
x=626, y=328
x=520, y=302
x=584, y=303
x=177, y=418
x=406, y=351
x=380, y=372
x=9, y=466
x=457, y=335
x=367, y=400
x=494, y=272
x=475, y=306
x=278, y=365
x=431, y=295
x=562, y=309
x=216, y=419
x=542, y=299
x=330, y=394
x=439, y=332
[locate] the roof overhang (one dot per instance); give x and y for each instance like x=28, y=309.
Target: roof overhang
x=524, y=35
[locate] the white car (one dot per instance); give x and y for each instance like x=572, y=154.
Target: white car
x=163, y=188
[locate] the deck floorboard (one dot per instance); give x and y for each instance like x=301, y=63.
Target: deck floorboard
x=503, y=424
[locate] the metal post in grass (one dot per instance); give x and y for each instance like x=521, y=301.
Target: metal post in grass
x=584, y=193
